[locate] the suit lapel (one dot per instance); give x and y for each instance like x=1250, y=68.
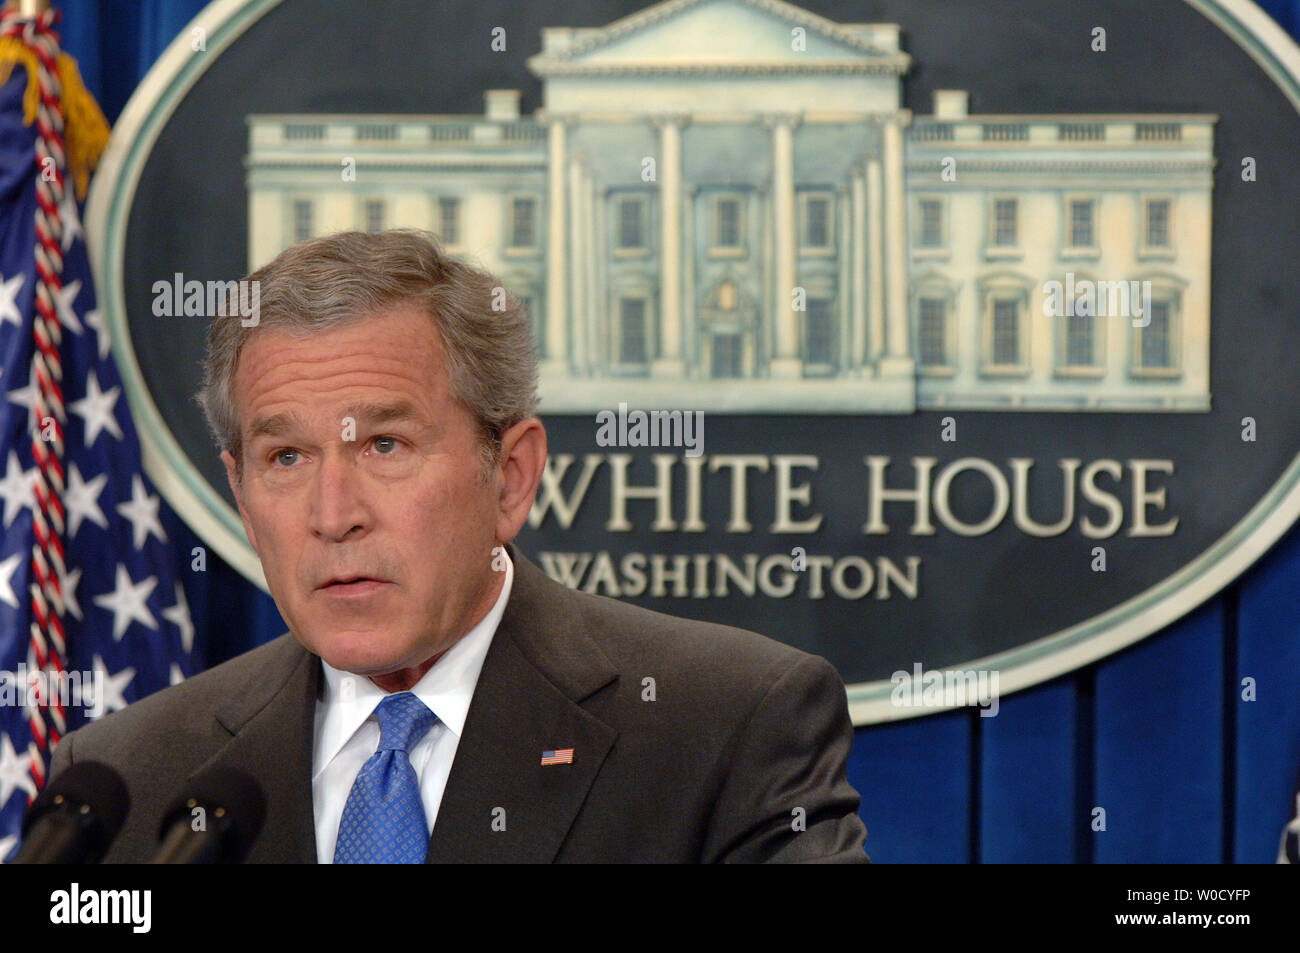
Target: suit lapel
x=540, y=667
x=272, y=740
x=501, y=803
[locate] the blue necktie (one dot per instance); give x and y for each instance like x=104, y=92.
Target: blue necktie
x=383, y=820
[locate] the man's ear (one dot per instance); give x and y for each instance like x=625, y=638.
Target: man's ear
x=519, y=470
x=237, y=490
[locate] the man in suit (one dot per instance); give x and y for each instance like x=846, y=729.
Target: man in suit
x=438, y=698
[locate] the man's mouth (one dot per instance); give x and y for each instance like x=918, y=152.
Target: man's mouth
x=351, y=585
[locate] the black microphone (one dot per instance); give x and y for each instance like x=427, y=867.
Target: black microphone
x=76, y=817
x=214, y=821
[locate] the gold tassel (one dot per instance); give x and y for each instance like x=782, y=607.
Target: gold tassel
x=14, y=52
x=85, y=130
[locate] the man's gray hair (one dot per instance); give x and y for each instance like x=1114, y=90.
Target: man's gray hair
x=326, y=282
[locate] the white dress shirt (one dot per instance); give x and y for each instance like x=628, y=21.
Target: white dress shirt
x=347, y=732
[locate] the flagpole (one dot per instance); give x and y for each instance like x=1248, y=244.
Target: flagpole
x=29, y=8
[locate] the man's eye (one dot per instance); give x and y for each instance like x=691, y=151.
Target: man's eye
x=286, y=458
x=385, y=445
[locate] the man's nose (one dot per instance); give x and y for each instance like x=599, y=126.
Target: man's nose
x=339, y=509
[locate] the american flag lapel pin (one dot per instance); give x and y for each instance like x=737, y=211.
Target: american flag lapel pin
x=558, y=756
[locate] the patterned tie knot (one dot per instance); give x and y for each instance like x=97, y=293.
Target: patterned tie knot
x=403, y=721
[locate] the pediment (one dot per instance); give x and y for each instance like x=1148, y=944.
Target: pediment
x=723, y=35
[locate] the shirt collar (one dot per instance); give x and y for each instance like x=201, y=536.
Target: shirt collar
x=446, y=688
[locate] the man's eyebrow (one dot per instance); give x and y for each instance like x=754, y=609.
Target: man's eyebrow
x=383, y=413
x=277, y=425
x=274, y=426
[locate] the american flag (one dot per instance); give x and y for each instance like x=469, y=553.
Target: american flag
x=558, y=756
x=124, y=623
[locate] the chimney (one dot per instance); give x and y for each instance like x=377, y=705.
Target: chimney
x=951, y=103
x=501, y=105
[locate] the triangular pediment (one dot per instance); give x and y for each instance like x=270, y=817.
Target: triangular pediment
x=690, y=35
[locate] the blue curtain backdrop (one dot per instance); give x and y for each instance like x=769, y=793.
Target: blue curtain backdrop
x=1157, y=736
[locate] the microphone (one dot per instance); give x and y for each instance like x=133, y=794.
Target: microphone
x=76, y=817
x=214, y=821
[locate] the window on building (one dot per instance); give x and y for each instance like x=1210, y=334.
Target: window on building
x=818, y=224
x=930, y=233
x=820, y=335
x=303, y=220
x=727, y=223
x=726, y=356
x=933, y=343
x=632, y=347
x=1082, y=234
x=374, y=215
x=1157, y=225
x=632, y=226
x=1079, y=340
x=1156, y=343
x=1006, y=331
x=449, y=220
x=1005, y=222
x=523, y=223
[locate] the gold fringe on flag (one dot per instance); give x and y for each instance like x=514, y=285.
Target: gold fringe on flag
x=85, y=130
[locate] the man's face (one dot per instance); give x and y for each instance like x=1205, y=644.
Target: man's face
x=361, y=491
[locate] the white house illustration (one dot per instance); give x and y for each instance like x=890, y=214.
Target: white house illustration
x=723, y=206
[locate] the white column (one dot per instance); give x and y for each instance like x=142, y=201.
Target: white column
x=669, y=170
x=577, y=262
x=876, y=249
x=556, y=345
x=690, y=337
x=859, y=355
x=600, y=298
x=897, y=361
x=595, y=251
x=845, y=357
x=785, y=361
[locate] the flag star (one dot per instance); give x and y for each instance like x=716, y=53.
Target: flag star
x=177, y=676
x=7, y=569
x=68, y=585
x=26, y=397
x=113, y=685
x=71, y=220
x=18, y=488
x=126, y=602
x=97, y=408
x=7, y=844
x=180, y=614
x=142, y=511
x=63, y=304
x=82, y=500
x=9, y=299
x=95, y=319
x=14, y=771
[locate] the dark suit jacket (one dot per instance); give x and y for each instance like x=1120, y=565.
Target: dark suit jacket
x=742, y=732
